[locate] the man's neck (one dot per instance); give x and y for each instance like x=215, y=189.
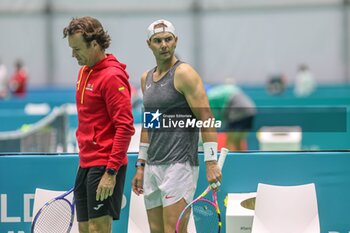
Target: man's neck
x=166, y=65
x=99, y=57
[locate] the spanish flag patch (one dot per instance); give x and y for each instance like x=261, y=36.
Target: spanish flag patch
x=121, y=88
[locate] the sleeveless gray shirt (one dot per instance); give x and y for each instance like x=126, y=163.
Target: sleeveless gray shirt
x=175, y=145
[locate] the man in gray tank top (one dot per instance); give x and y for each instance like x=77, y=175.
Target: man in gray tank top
x=167, y=166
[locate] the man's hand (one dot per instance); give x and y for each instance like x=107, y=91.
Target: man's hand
x=137, y=181
x=214, y=175
x=105, y=187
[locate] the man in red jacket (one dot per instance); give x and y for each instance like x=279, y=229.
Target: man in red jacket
x=18, y=81
x=105, y=126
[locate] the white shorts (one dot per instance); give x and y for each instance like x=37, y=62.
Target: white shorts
x=165, y=185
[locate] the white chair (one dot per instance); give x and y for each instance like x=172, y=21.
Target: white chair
x=135, y=139
x=286, y=209
x=37, y=108
x=138, y=222
x=280, y=138
x=43, y=195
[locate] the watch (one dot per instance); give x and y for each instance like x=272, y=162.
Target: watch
x=111, y=171
x=139, y=164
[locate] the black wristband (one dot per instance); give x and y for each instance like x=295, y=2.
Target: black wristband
x=139, y=164
x=111, y=171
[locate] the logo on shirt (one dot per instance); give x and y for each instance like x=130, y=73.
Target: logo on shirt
x=152, y=119
x=89, y=87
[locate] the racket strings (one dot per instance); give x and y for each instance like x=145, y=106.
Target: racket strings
x=56, y=217
x=205, y=217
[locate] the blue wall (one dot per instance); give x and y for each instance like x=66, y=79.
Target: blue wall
x=330, y=171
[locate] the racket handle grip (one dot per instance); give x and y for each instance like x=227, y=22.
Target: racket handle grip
x=222, y=157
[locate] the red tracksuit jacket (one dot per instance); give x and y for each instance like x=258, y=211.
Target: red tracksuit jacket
x=105, y=121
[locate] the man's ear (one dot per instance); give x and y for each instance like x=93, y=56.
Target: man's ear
x=175, y=42
x=94, y=43
x=148, y=42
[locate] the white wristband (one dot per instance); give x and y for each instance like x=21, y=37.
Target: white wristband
x=143, y=151
x=210, y=151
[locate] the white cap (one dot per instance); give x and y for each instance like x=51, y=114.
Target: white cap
x=160, y=25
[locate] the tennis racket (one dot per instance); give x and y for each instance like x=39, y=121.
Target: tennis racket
x=56, y=215
x=206, y=212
